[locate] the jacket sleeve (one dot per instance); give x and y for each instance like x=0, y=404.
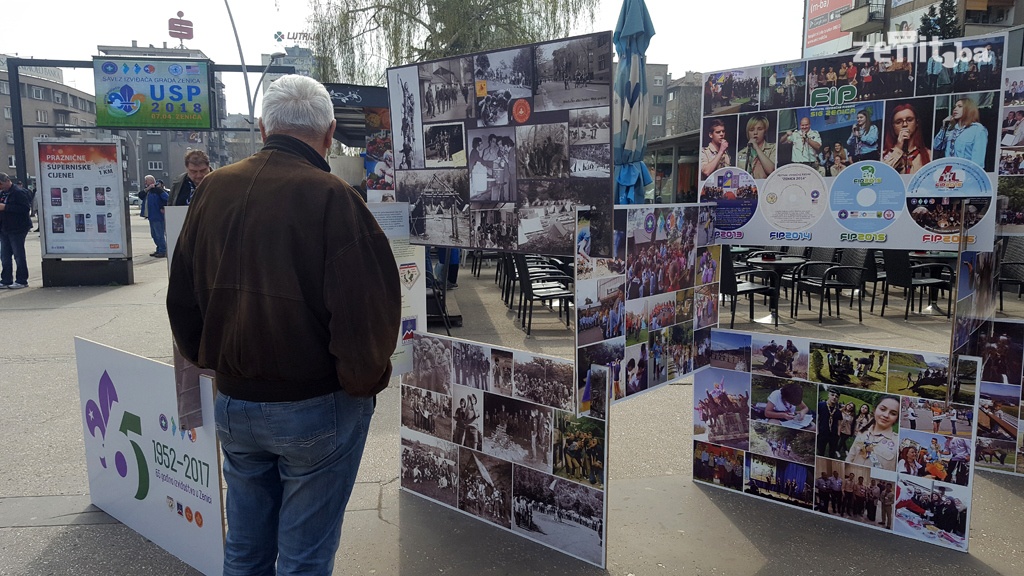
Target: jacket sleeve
x=979, y=146
x=183, y=310
x=364, y=301
x=18, y=203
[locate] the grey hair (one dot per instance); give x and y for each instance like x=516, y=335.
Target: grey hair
x=298, y=106
x=4, y=177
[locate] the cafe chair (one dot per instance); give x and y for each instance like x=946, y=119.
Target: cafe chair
x=541, y=286
x=900, y=273
x=1011, y=267
x=847, y=275
x=816, y=255
x=731, y=286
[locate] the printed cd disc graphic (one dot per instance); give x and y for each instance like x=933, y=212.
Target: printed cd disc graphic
x=735, y=193
x=794, y=198
x=950, y=177
x=867, y=197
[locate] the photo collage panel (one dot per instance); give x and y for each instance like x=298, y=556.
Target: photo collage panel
x=494, y=433
x=844, y=148
x=497, y=150
x=859, y=433
x=646, y=307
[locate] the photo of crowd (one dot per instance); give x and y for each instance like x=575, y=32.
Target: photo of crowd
x=730, y=350
x=932, y=513
x=855, y=367
x=504, y=77
x=492, y=169
x=517, y=431
x=579, y=449
x=559, y=513
x=937, y=416
x=879, y=79
x=485, y=487
x=601, y=313
x=722, y=407
x=587, y=125
x=945, y=215
x=783, y=85
x=403, y=90
x=935, y=457
x=546, y=381
x=918, y=374
x=472, y=365
x=590, y=161
x=706, y=305
x=858, y=426
x=495, y=228
x=447, y=89
x=960, y=128
x=608, y=353
x=907, y=131
x=955, y=73
x=658, y=261
x=661, y=310
x=427, y=412
x=431, y=364
x=567, y=74
x=777, y=357
x=779, y=480
x=731, y=91
x=718, y=465
x=854, y=492
x=542, y=151
x=429, y=467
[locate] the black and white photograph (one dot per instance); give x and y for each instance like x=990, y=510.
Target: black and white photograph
x=492, y=164
x=558, y=513
x=590, y=161
x=547, y=217
x=542, y=151
x=517, y=431
x=429, y=466
x=574, y=73
x=546, y=381
x=445, y=145
x=406, y=114
x=495, y=226
x=579, y=444
x=501, y=377
x=431, y=364
x=438, y=205
x=468, y=416
x=447, y=89
x=590, y=125
x=485, y=487
x=502, y=79
x=472, y=365
x=427, y=412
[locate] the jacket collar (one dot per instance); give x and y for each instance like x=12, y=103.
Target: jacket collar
x=297, y=147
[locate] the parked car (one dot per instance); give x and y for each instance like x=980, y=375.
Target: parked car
x=133, y=199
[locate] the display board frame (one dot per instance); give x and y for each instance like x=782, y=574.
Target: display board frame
x=166, y=93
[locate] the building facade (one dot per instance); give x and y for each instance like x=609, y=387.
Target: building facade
x=872, y=20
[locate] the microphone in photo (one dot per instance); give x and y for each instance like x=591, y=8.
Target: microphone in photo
x=906, y=146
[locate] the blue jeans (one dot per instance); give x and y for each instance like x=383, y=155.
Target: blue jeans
x=290, y=468
x=12, y=246
x=157, y=229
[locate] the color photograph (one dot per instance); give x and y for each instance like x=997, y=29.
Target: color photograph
x=848, y=366
x=1001, y=348
x=789, y=403
x=857, y=493
x=659, y=357
x=708, y=265
x=608, y=353
x=907, y=134
x=932, y=513
x=601, y=313
x=783, y=85
x=635, y=369
x=757, y=149
x=730, y=350
x=998, y=411
x=774, y=357
x=918, y=374
x=858, y=426
x=564, y=515
x=546, y=381
x=935, y=415
x=680, y=350
x=579, y=449
x=982, y=71
x=429, y=467
x=592, y=397
x=485, y=487
x=782, y=442
x=684, y=305
x=731, y=91
x=722, y=407
x=706, y=306
x=960, y=128
x=998, y=455
x=661, y=310
x=935, y=457
x=718, y=465
x=780, y=481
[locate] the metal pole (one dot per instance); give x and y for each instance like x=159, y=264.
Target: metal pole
x=252, y=103
x=245, y=75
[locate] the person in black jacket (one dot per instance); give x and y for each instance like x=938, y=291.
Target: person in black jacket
x=15, y=223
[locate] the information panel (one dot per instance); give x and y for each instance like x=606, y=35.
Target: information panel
x=152, y=93
x=81, y=199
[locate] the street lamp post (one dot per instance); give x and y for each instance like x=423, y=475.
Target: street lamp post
x=252, y=103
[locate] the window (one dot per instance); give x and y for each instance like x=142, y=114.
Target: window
x=152, y=132
x=155, y=165
x=5, y=87
x=37, y=93
x=41, y=117
x=61, y=117
x=656, y=120
x=7, y=112
x=10, y=137
x=154, y=148
x=670, y=115
x=658, y=100
x=671, y=96
x=11, y=163
x=58, y=97
x=659, y=80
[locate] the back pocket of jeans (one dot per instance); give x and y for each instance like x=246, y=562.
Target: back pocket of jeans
x=303, y=432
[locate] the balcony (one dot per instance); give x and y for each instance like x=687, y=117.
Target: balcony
x=67, y=130
x=866, y=17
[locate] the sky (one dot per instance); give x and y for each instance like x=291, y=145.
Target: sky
x=690, y=35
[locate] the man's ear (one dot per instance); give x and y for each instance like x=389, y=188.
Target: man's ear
x=263, y=131
x=329, y=137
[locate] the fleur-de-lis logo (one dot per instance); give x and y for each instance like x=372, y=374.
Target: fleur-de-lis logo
x=97, y=421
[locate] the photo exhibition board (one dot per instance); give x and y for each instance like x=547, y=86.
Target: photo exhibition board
x=884, y=149
x=860, y=433
x=493, y=433
x=1011, y=154
x=495, y=150
x=647, y=296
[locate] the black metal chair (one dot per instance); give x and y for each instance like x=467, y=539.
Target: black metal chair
x=1011, y=266
x=732, y=287
x=816, y=255
x=847, y=275
x=900, y=273
x=541, y=286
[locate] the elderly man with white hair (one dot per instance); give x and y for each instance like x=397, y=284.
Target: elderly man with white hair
x=283, y=284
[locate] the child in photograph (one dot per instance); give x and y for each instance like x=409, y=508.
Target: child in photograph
x=758, y=157
x=875, y=444
x=714, y=155
x=905, y=148
x=962, y=135
x=786, y=403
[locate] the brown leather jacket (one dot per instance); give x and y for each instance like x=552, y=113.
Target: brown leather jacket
x=282, y=281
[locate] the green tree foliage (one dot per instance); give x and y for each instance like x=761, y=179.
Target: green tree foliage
x=929, y=28
x=356, y=40
x=816, y=365
x=949, y=26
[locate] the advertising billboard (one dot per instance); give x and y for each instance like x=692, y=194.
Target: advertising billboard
x=152, y=93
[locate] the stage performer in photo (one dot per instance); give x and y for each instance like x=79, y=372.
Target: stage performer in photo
x=905, y=148
x=758, y=156
x=283, y=284
x=962, y=135
x=714, y=155
x=806, y=143
x=863, y=140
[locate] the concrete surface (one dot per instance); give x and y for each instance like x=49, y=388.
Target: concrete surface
x=659, y=521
